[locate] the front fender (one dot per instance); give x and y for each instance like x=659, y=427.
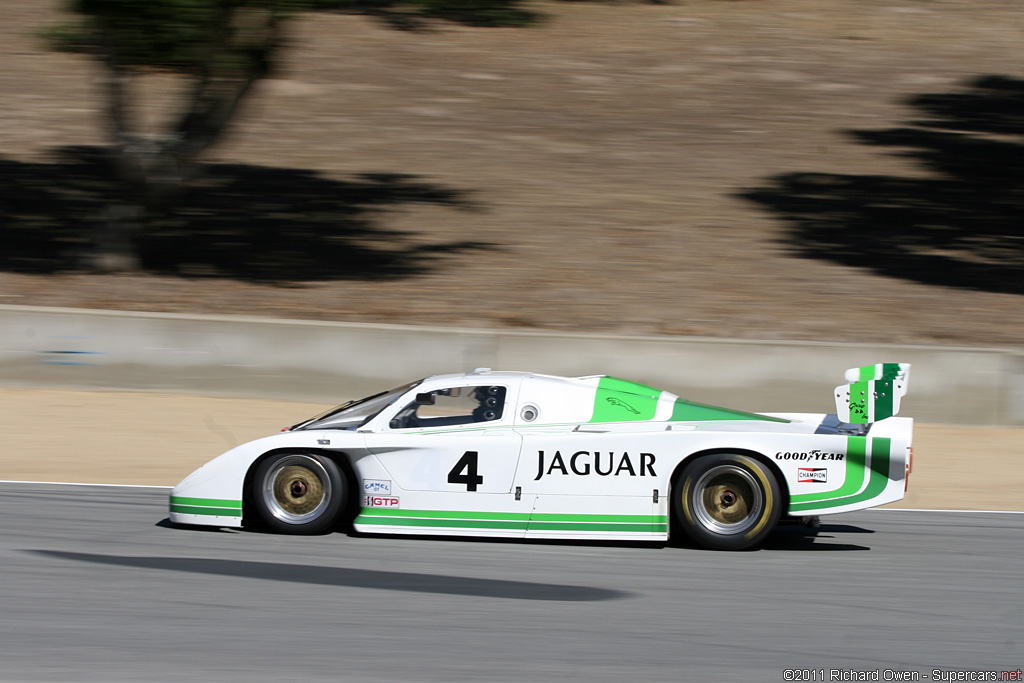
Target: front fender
x=212, y=495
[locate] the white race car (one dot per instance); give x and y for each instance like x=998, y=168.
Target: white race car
x=524, y=455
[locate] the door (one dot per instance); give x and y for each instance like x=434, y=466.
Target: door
x=452, y=457
x=592, y=484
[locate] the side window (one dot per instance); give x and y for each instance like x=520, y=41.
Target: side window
x=455, y=406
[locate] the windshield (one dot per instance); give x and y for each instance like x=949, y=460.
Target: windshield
x=356, y=413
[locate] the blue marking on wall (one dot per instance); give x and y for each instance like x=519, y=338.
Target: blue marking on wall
x=56, y=361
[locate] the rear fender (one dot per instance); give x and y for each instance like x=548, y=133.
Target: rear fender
x=760, y=457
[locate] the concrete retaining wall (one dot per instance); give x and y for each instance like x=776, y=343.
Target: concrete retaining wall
x=330, y=362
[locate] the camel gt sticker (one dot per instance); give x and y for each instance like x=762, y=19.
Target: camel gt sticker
x=376, y=486
x=819, y=474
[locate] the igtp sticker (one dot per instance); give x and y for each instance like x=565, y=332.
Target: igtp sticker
x=380, y=502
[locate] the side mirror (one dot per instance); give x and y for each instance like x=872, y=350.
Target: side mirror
x=427, y=399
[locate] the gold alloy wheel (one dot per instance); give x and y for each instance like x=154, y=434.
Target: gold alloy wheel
x=297, y=489
x=727, y=500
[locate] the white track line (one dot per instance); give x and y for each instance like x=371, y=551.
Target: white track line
x=74, y=483
x=987, y=512
x=149, y=486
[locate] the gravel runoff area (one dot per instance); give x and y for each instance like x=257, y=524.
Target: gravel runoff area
x=157, y=439
x=797, y=169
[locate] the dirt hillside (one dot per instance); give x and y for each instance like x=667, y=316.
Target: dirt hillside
x=801, y=169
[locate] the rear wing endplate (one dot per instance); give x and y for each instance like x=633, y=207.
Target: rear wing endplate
x=873, y=392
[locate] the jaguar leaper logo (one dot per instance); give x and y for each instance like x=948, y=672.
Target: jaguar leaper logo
x=619, y=403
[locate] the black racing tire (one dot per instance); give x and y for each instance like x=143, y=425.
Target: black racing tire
x=299, y=493
x=727, y=501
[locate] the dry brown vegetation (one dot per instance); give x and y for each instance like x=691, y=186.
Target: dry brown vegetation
x=691, y=168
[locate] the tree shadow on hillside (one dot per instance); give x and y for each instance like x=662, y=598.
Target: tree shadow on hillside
x=419, y=15
x=240, y=221
x=961, y=227
x=415, y=15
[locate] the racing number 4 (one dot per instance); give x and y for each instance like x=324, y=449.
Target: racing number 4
x=466, y=463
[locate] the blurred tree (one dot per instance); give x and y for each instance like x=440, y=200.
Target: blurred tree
x=222, y=47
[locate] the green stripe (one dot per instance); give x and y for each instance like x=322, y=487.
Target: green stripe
x=511, y=525
x=512, y=520
x=555, y=517
x=688, y=411
x=207, y=502
x=878, y=480
x=438, y=522
x=445, y=514
x=871, y=400
x=213, y=512
x=856, y=453
x=889, y=371
x=883, y=404
x=620, y=401
x=884, y=371
x=610, y=383
x=512, y=516
x=648, y=528
x=860, y=397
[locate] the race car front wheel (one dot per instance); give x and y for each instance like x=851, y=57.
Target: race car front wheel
x=727, y=501
x=299, y=493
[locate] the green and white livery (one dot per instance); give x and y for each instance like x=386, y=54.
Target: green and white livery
x=524, y=455
x=873, y=393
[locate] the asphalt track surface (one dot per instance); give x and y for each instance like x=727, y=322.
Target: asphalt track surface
x=96, y=586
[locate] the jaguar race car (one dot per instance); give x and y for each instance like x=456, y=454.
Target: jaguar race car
x=524, y=455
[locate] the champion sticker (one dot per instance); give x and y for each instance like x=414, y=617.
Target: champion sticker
x=377, y=486
x=819, y=474
x=380, y=502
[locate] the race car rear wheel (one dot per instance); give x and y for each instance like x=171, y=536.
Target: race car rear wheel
x=727, y=501
x=299, y=493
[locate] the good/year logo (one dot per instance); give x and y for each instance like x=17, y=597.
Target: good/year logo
x=809, y=455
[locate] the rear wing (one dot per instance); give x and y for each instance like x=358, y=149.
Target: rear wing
x=873, y=392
